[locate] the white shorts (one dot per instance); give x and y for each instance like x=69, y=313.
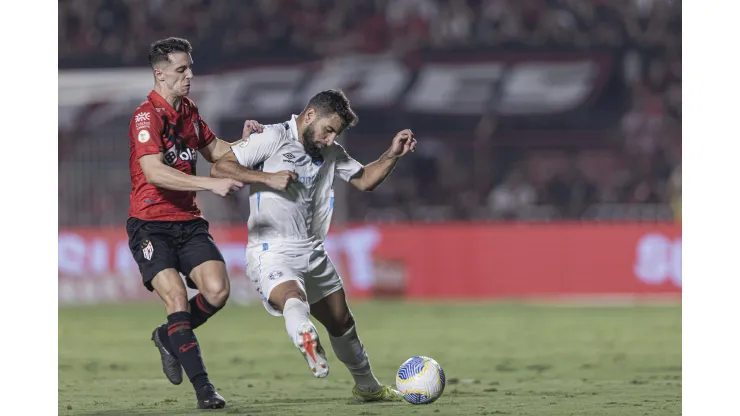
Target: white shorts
x=269, y=264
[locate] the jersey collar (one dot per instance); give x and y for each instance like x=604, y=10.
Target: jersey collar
x=293, y=126
x=160, y=102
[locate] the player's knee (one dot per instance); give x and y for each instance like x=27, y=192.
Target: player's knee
x=170, y=288
x=284, y=291
x=342, y=322
x=175, y=301
x=217, y=293
x=294, y=293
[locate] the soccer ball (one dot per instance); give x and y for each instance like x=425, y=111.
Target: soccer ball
x=420, y=380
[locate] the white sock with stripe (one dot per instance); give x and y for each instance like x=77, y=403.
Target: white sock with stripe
x=295, y=312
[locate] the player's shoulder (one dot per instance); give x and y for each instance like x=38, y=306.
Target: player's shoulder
x=145, y=112
x=273, y=132
x=145, y=106
x=272, y=135
x=336, y=150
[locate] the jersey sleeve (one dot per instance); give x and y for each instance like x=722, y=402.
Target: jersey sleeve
x=145, y=133
x=345, y=166
x=205, y=134
x=257, y=148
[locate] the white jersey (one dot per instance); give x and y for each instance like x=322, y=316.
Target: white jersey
x=303, y=212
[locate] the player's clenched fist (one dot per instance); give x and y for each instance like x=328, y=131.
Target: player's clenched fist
x=225, y=186
x=280, y=181
x=403, y=143
x=251, y=126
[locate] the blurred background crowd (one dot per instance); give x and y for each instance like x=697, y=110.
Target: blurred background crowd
x=116, y=32
x=617, y=157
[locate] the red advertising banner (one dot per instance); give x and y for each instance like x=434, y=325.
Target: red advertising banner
x=443, y=261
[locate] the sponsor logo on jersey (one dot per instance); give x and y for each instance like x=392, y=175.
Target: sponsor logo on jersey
x=142, y=117
x=288, y=157
x=171, y=155
x=309, y=180
x=179, y=148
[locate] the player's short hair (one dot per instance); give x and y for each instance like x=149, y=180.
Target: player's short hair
x=331, y=102
x=161, y=49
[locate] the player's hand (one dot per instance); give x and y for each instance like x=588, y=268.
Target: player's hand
x=403, y=143
x=225, y=186
x=280, y=181
x=251, y=126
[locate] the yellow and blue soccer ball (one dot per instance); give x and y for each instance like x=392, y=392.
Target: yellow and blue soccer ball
x=420, y=380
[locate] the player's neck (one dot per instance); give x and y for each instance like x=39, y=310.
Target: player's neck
x=299, y=122
x=171, y=98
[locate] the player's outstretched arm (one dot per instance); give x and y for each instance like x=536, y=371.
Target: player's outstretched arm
x=229, y=167
x=163, y=176
x=373, y=174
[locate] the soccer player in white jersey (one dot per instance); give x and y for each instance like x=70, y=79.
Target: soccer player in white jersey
x=291, y=168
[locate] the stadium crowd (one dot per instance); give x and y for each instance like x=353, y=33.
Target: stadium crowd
x=114, y=32
x=641, y=165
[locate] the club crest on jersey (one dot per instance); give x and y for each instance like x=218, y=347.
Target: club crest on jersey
x=275, y=275
x=316, y=157
x=147, y=249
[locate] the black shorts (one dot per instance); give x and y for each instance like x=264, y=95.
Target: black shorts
x=180, y=245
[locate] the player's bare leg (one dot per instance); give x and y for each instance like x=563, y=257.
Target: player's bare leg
x=182, y=341
x=214, y=288
x=333, y=312
x=290, y=298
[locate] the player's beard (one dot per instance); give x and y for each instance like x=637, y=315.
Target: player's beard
x=309, y=136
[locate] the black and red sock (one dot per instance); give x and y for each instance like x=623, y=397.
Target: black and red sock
x=201, y=310
x=185, y=346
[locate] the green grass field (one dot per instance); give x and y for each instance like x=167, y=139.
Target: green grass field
x=500, y=359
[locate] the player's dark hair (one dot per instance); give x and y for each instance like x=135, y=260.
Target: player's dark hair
x=331, y=102
x=161, y=49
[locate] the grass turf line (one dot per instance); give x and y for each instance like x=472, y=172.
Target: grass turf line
x=499, y=359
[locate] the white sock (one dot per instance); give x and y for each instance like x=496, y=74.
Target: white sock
x=348, y=348
x=295, y=313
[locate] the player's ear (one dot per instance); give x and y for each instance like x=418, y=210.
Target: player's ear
x=310, y=115
x=158, y=75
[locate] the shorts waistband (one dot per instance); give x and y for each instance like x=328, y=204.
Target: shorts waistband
x=284, y=244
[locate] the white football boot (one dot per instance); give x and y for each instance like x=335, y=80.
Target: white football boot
x=307, y=341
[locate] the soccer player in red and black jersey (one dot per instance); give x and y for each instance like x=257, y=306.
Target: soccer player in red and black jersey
x=167, y=232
